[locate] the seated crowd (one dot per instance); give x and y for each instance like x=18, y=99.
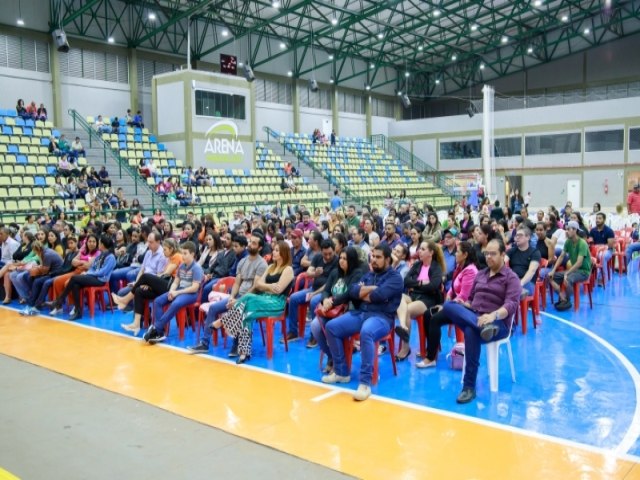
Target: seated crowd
x=361, y=272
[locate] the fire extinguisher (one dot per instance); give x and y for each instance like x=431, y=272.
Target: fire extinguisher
x=606, y=186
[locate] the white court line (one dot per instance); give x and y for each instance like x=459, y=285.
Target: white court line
x=324, y=396
x=616, y=453
x=630, y=438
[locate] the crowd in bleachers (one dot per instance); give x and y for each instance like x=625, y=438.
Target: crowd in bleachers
x=31, y=112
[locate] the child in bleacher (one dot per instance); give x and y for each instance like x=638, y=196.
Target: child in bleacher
x=41, y=114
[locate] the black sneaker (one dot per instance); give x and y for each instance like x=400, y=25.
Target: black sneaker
x=149, y=333
x=564, y=306
x=312, y=343
x=200, y=348
x=466, y=395
x=157, y=338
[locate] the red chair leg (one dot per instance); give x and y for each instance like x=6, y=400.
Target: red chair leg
x=269, y=339
x=459, y=335
x=181, y=317
x=421, y=335
x=91, y=300
x=283, y=322
x=302, y=319
x=576, y=297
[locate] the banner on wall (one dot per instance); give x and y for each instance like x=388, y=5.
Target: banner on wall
x=222, y=144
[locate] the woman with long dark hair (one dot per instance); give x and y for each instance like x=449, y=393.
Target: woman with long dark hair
x=336, y=292
x=463, y=278
x=423, y=284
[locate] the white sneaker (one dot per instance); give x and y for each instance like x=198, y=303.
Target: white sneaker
x=56, y=311
x=363, y=392
x=72, y=312
x=333, y=378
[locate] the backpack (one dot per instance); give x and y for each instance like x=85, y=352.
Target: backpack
x=456, y=356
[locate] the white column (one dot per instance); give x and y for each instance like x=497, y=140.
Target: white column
x=488, y=160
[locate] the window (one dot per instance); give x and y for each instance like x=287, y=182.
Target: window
x=634, y=138
x=552, y=144
x=83, y=63
x=460, y=149
x=320, y=99
x=24, y=53
x=273, y=91
x=508, y=147
x=224, y=105
x=349, y=103
x=604, y=141
x=148, y=68
x=382, y=108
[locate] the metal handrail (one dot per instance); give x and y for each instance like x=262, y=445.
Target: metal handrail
x=289, y=146
x=122, y=163
x=446, y=183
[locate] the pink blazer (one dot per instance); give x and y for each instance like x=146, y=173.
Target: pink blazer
x=463, y=282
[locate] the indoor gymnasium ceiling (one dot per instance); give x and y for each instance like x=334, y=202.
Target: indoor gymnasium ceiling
x=429, y=48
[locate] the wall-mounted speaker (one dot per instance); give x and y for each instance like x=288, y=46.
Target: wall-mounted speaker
x=60, y=39
x=248, y=73
x=406, y=102
x=313, y=85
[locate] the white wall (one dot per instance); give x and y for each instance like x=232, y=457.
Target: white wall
x=549, y=189
x=170, y=106
x=93, y=97
x=144, y=97
x=603, y=158
x=380, y=125
x=273, y=115
x=593, y=187
x=426, y=150
x=311, y=118
x=352, y=125
x=27, y=86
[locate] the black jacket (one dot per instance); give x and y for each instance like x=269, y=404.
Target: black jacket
x=222, y=264
x=430, y=292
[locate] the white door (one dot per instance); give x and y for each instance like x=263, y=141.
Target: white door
x=573, y=193
x=327, y=126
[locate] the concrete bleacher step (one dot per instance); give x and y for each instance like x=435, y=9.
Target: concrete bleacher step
x=96, y=159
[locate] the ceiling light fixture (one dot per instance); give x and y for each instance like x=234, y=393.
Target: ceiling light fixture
x=275, y=4
x=151, y=16
x=225, y=33
x=110, y=40
x=537, y=3
x=474, y=27
x=331, y=80
x=436, y=13
x=406, y=74
x=437, y=81
x=283, y=45
x=586, y=31
x=482, y=66
x=289, y=73
x=420, y=48
x=380, y=35
x=565, y=18
x=399, y=93
x=454, y=57
x=367, y=87
x=504, y=39
x=530, y=50
x=334, y=21
x=330, y=57
x=372, y=66
x=20, y=22
x=240, y=64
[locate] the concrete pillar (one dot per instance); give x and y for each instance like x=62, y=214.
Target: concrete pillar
x=56, y=86
x=367, y=112
x=295, y=95
x=133, y=80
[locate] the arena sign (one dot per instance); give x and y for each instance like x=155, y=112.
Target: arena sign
x=222, y=144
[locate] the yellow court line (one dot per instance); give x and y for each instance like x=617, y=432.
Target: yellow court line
x=374, y=439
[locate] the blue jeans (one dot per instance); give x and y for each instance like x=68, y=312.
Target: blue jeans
x=631, y=248
x=37, y=287
x=117, y=275
x=605, y=261
x=295, y=300
x=42, y=294
x=175, y=305
x=21, y=282
x=467, y=321
x=371, y=327
x=215, y=309
x=206, y=290
x=317, y=331
x=530, y=288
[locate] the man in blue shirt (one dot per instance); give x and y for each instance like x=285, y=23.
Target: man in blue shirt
x=603, y=235
x=336, y=201
x=377, y=297
x=183, y=292
x=449, y=251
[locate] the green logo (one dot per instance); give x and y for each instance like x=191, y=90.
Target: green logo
x=223, y=145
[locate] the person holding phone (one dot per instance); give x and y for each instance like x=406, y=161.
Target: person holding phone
x=423, y=284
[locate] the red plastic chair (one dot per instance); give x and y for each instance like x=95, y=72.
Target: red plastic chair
x=224, y=285
x=269, y=324
x=533, y=302
x=302, y=282
x=588, y=286
x=389, y=338
x=619, y=255
x=96, y=293
x=422, y=336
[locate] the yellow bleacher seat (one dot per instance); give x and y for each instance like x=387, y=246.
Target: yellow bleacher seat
x=91, y=120
x=11, y=205
x=9, y=121
x=19, y=169
x=49, y=180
